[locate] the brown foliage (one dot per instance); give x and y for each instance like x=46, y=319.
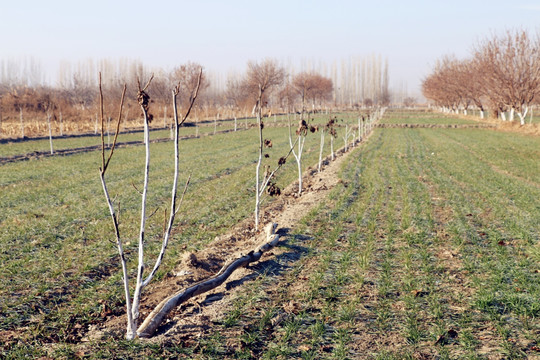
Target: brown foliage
x=273, y=189
x=331, y=126
x=302, y=128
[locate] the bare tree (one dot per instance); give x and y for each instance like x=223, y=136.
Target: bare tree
x=511, y=66
x=471, y=77
x=301, y=133
x=409, y=101
x=323, y=90
x=187, y=77
x=304, y=84
x=133, y=304
x=503, y=74
x=330, y=127
x=287, y=97
x=321, y=148
x=261, y=78
x=308, y=86
x=236, y=97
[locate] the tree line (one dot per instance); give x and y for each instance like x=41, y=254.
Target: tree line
x=27, y=101
x=502, y=77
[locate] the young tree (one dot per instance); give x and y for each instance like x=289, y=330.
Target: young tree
x=133, y=304
x=330, y=127
x=301, y=133
x=46, y=103
x=308, y=86
x=321, y=148
x=261, y=78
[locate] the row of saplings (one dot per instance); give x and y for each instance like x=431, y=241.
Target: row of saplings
x=264, y=182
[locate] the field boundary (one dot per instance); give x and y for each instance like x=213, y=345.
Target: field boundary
x=443, y=126
x=71, y=151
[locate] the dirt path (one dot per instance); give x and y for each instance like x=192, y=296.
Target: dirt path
x=197, y=315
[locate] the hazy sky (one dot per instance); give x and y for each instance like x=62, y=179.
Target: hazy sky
x=224, y=35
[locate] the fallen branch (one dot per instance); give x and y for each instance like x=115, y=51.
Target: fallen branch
x=156, y=317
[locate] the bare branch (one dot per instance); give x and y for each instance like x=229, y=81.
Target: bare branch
x=155, y=318
x=117, y=128
x=193, y=97
x=102, y=126
x=183, y=193
x=147, y=84
x=136, y=189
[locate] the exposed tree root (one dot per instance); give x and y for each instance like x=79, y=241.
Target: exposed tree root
x=156, y=317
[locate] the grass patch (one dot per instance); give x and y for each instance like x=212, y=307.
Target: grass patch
x=427, y=248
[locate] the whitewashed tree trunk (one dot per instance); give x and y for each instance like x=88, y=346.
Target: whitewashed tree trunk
x=172, y=129
x=131, y=330
x=299, y=163
x=522, y=115
x=503, y=116
x=511, y=116
x=50, y=131
x=131, y=325
x=346, y=137
x=332, y=148
x=298, y=156
x=321, y=151
x=140, y=267
x=259, y=161
x=481, y=114
x=96, y=125
x=235, y=125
